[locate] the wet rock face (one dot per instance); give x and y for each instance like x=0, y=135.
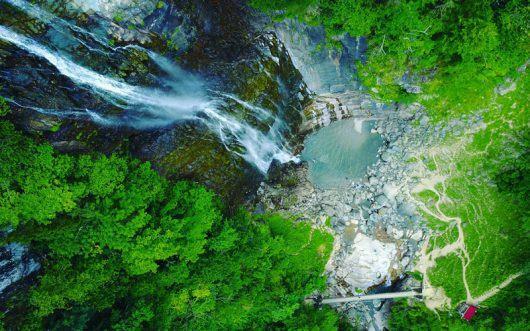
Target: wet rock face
x=330, y=74
x=29, y=81
x=271, y=82
x=129, y=9
x=330, y=107
x=15, y=264
x=325, y=70
x=191, y=152
x=218, y=40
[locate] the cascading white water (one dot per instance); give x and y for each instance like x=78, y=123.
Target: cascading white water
x=150, y=101
x=61, y=25
x=150, y=107
x=358, y=125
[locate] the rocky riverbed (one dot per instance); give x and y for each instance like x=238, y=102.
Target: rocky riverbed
x=377, y=230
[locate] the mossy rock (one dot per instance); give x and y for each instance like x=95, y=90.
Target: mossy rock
x=18, y=20
x=137, y=64
x=200, y=156
x=41, y=123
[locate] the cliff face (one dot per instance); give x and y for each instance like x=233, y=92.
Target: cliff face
x=16, y=263
x=245, y=71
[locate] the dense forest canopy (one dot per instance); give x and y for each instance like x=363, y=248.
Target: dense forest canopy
x=124, y=248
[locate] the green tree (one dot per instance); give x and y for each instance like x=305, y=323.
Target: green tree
x=513, y=178
x=4, y=107
x=123, y=248
x=509, y=310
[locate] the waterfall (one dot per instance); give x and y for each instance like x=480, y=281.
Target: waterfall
x=358, y=125
x=182, y=95
x=148, y=101
x=63, y=26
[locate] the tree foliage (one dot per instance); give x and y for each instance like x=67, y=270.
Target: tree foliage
x=4, y=107
x=123, y=248
x=513, y=178
x=455, y=50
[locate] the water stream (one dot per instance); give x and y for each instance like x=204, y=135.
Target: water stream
x=179, y=96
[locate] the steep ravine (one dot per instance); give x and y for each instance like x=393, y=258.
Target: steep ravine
x=205, y=92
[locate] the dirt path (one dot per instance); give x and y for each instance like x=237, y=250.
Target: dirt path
x=435, y=298
x=493, y=291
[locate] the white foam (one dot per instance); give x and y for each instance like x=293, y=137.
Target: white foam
x=148, y=107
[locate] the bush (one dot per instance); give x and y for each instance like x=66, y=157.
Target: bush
x=4, y=107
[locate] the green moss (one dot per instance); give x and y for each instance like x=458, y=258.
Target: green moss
x=137, y=64
x=416, y=275
x=430, y=164
x=56, y=127
x=289, y=201
x=428, y=196
x=258, y=84
x=118, y=18
x=199, y=155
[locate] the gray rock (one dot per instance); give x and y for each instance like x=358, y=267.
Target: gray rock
x=405, y=261
x=15, y=265
x=506, y=88
x=386, y=156
x=373, y=180
x=381, y=201
x=407, y=209
x=417, y=235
